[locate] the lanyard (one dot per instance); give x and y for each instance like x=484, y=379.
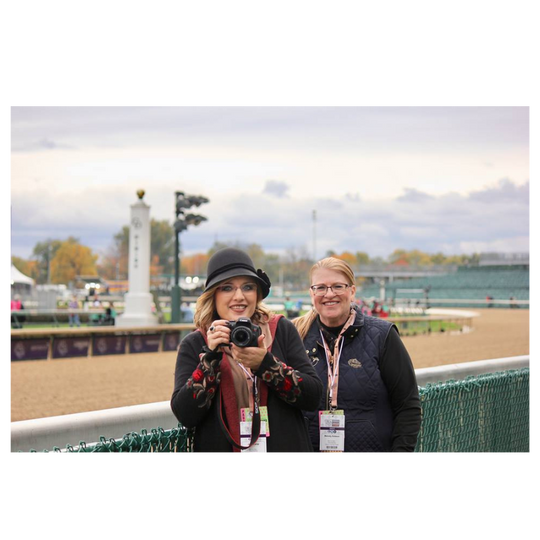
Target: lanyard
x=255, y=389
x=333, y=371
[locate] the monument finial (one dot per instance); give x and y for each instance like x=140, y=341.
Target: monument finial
x=140, y=193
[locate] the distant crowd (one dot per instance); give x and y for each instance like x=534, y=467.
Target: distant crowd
x=373, y=308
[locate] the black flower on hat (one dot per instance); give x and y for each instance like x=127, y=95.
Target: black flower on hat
x=262, y=275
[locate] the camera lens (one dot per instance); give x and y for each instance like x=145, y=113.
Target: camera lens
x=241, y=337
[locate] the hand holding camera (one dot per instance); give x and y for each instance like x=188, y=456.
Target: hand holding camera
x=244, y=338
x=218, y=334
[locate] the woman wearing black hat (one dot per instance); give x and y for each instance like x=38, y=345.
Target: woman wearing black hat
x=238, y=389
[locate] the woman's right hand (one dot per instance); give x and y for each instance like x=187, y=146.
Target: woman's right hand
x=218, y=334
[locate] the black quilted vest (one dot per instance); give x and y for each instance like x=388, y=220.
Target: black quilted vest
x=362, y=393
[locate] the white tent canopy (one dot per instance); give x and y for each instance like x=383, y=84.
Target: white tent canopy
x=19, y=277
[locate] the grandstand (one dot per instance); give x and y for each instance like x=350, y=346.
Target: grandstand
x=483, y=286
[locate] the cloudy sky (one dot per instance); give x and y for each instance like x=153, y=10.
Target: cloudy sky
x=450, y=179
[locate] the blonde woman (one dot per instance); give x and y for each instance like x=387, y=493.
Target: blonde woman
x=243, y=377
x=370, y=396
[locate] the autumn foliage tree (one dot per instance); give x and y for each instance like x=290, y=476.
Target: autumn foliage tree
x=72, y=259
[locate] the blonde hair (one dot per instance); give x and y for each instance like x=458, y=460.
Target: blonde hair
x=303, y=324
x=205, y=309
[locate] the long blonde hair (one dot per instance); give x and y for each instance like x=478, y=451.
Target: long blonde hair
x=205, y=309
x=303, y=324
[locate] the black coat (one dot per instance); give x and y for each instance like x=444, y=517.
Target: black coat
x=377, y=387
x=292, y=382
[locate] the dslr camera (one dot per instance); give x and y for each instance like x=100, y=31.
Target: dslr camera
x=244, y=333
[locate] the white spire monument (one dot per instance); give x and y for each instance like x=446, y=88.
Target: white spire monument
x=138, y=301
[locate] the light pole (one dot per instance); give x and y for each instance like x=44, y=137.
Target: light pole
x=314, y=235
x=182, y=203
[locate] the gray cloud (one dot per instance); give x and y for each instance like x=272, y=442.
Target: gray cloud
x=450, y=223
x=276, y=188
x=414, y=196
x=496, y=218
x=505, y=191
x=344, y=128
x=41, y=145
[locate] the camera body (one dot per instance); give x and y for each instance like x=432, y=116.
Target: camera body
x=244, y=333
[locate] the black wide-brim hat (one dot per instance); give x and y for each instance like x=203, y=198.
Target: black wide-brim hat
x=231, y=262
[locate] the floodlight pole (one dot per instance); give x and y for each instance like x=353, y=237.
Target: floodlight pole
x=176, y=294
x=182, y=202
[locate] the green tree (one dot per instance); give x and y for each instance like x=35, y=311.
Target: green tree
x=43, y=254
x=162, y=244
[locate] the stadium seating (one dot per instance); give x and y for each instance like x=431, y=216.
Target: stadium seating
x=473, y=283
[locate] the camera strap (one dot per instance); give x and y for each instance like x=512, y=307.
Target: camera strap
x=255, y=423
x=227, y=404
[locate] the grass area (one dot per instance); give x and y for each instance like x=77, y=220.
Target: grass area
x=420, y=327
x=405, y=328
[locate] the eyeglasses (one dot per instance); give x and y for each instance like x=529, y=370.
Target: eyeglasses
x=246, y=288
x=338, y=288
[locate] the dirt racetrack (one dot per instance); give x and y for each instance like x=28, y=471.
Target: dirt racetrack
x=64, y=386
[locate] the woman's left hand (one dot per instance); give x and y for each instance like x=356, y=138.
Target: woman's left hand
x=250, y=357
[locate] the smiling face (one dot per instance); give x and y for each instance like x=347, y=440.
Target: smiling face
x=333, y=309
x=235, y=298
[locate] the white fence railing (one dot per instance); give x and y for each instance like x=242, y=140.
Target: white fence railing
x=71, y=429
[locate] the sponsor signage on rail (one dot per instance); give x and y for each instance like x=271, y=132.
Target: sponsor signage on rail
x=70, y=347
x=144, y=343
x=104, y=345
x=29, y=349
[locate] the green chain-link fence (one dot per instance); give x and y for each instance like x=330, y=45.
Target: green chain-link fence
x=158, y=440
x=483, y=413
